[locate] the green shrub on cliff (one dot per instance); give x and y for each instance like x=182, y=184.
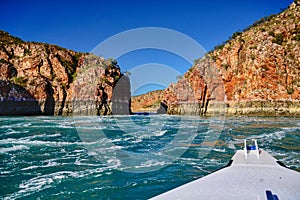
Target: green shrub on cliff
x=271, y=33
x=278, y=39
x=235, y=35
x=3, y=60
x=6, y=38
x=290, y=90
x=297, y=37
x=21, y=81
x=219, y=47
x=27, y=52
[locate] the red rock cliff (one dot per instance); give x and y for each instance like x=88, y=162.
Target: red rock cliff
x=256, y=71
x=38, y=78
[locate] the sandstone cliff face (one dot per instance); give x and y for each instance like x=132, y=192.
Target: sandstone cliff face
x=100, y=88
x=256, y=72
x=45, y=76
x=198, y=92
x=149, y=102
x=263, y=63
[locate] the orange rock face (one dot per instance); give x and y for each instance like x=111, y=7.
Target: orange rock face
x=47, y=73
x=149, y=102
x=256, y=72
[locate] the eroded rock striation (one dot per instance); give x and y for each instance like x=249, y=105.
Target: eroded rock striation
x=256, y=72
x=149, y=102
x=38, y=78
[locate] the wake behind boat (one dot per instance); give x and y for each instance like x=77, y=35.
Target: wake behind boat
x=252, y=173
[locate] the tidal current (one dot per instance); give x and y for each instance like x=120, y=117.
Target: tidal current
x=128, y=157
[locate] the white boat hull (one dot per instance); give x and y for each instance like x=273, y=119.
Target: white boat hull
x=252, y=174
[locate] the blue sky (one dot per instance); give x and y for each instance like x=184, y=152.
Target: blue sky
x=82, y=25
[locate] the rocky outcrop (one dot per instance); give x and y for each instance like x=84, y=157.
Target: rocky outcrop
x=101, y=89
x=163, y=108
x=15, y=99
x=149, y=102
x=49, y=76
x=256, y=72
x=198, y=92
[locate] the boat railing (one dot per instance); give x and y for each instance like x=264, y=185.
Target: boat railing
x=248, y=149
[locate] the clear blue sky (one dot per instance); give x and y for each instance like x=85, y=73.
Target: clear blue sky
x=81, y=25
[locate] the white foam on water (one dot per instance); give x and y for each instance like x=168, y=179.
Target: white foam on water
x=202, y=169
x=160, y=133
x=231, y=146
x=43, y=182
x=36, y=136
x=291, y=129
x=220, y=150
x=43, y=143
x=11, y=131
x=80, y=162
x=13, y=148
x=5, y=172
x=50, y=163
x=150, y=164
x=32, y=167
x=276, y=135
x=16, y=125
x=290, y=160
x=211, y=162
x=114, y=163
x=190, y=161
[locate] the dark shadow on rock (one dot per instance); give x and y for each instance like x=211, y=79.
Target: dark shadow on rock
x=15, y=100
x=121, y=97
x=163, y=109
x=7, y=71
x=50, y=103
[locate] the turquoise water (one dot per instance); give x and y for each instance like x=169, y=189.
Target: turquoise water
x=128, y=157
